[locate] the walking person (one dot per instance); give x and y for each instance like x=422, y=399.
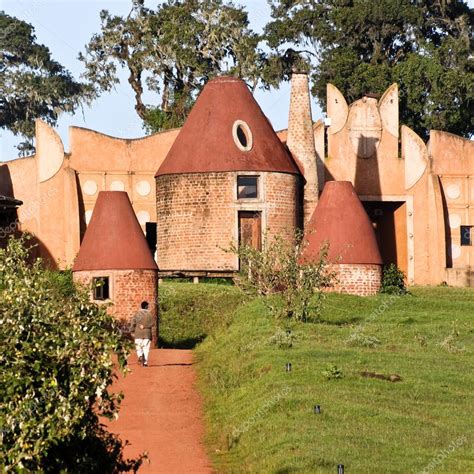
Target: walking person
x=141, y=326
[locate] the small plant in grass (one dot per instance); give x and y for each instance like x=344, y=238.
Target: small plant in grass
x=421, y=339
x=332, y=372
x=289, y=287
x=359, y=339
x=283, y=338
x=393, y=281
x=451, y=343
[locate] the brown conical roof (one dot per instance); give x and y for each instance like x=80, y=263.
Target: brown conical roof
x=114, y=239
x=340, y=220
x=206, y=142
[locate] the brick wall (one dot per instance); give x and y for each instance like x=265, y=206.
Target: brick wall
x=283, y=195
x=197, y=216
x=357, y=279
x=300, y=139
x=128, y=288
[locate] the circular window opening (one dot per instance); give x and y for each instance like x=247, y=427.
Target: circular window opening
x=242, y=135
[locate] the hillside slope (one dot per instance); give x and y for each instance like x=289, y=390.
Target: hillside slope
x=261, y=418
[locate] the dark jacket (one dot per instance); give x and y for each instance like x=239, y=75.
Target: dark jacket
x=142, y=318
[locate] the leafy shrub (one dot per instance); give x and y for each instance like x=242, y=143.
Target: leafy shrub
x=332, y=372
x=393, y=281
x=359, y=339
x=56, y=368
x=62, y=281
x=289, y=287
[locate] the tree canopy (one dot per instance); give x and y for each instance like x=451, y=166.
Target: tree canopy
x=172, y=51
x=32, y=84
x=362, y=46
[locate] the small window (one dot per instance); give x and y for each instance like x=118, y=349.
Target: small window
x=247, y=187
x=467, y=235
x=101, y=288
x=242, y=135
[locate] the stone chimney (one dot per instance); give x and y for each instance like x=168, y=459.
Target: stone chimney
x=300, y=139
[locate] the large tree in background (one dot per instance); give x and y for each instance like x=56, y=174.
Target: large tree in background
x=172, y=51
x=32, y=84
x=363, y=46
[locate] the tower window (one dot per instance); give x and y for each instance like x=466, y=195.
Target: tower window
x=100, y=287
x=247, y=187
x=467, y=235
x=242, y=135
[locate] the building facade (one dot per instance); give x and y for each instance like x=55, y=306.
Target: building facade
x=196, y=189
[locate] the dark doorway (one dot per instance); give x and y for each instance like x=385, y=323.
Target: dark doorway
x=250, y=229
x=150, y=232
x=389, y=219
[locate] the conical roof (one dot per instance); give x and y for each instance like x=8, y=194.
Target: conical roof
x=341, y=221
x=208, y=140
x=114, y=239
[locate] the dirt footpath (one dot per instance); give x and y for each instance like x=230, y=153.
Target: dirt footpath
x=162, y=414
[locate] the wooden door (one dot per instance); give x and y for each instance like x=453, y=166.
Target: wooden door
x=250, y=229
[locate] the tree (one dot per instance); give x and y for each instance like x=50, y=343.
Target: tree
x=362, y=46
x=173, y=51
x=32, y=84
x=56, y=371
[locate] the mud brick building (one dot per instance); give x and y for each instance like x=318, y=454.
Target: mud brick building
x=233, y=182
x=226, y=175
x=114, y=259
x=353, y=254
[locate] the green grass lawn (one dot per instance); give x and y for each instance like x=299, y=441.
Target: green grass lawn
x=189, y=313
x=260, y=418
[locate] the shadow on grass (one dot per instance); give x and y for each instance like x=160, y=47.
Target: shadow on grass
x=188, y=343
x=340, y=321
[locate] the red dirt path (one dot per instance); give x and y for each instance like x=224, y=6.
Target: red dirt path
x=162, y=414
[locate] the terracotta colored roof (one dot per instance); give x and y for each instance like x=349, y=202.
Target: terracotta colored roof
x=114, y=239
x=340, y=220
x=206, y=143
x=282, y=135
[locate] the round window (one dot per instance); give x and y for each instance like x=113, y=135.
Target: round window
x=242, y=135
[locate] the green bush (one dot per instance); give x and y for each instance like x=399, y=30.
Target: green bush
x=393, y=281
x=290, y=286
x=56, y=368
x=62, y=281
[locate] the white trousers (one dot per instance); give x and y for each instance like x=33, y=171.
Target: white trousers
x=142, y=347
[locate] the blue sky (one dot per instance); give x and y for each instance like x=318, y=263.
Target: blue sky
x=65, y=26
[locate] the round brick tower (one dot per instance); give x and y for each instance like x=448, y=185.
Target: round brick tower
x=114, y=258
x=341, y=222
x=227, y=178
